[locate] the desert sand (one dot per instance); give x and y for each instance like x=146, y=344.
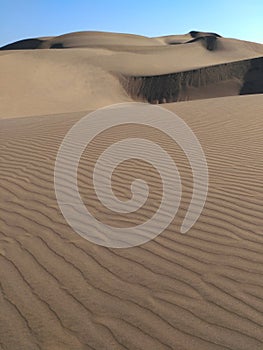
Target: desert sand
x=202, y=290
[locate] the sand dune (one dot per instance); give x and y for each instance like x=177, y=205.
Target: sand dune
x=241, y=77
x=90, y=72
x=89, y=39
x=97, y=39
x=202, y=290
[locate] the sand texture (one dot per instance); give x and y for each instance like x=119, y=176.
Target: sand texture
x=202, y=290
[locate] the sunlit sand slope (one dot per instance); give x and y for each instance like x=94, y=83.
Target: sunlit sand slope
x=202, y=290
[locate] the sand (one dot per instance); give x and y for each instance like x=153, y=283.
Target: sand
x=86, y=76
x=202, y=290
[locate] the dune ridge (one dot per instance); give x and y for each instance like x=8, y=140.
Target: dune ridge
x=91, y=38
x=90, y=72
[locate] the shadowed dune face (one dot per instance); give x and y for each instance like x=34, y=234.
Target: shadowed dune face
x=242, y=77
x=196, y=34
x=26, y=44
x=208, y=39
x=253, y=80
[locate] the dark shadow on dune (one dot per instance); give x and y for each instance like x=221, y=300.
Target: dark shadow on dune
x=196, y=34
x=57, y=46
x=26, y=44
x=175, y=86
x=253, y=80
x=209, y=41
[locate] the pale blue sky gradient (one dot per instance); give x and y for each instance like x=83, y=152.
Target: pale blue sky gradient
x=32, y=18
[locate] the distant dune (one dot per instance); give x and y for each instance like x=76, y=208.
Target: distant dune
x=98, y=69
x=200, y=291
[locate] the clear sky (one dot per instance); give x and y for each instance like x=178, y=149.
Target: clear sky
x=32, y=18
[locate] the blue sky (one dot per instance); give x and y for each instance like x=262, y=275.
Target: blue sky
x=31, y=18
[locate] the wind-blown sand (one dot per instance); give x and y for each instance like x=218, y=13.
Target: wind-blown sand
x=202, y=290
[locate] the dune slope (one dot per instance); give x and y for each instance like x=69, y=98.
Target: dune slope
x=203, y=290
x=87, y=70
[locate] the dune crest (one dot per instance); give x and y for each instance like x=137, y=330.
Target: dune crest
x=86, y=70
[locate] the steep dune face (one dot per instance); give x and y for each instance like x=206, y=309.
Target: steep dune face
x=209, y=39
x=87, y=70
x=242, y=77
x=253, y=80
